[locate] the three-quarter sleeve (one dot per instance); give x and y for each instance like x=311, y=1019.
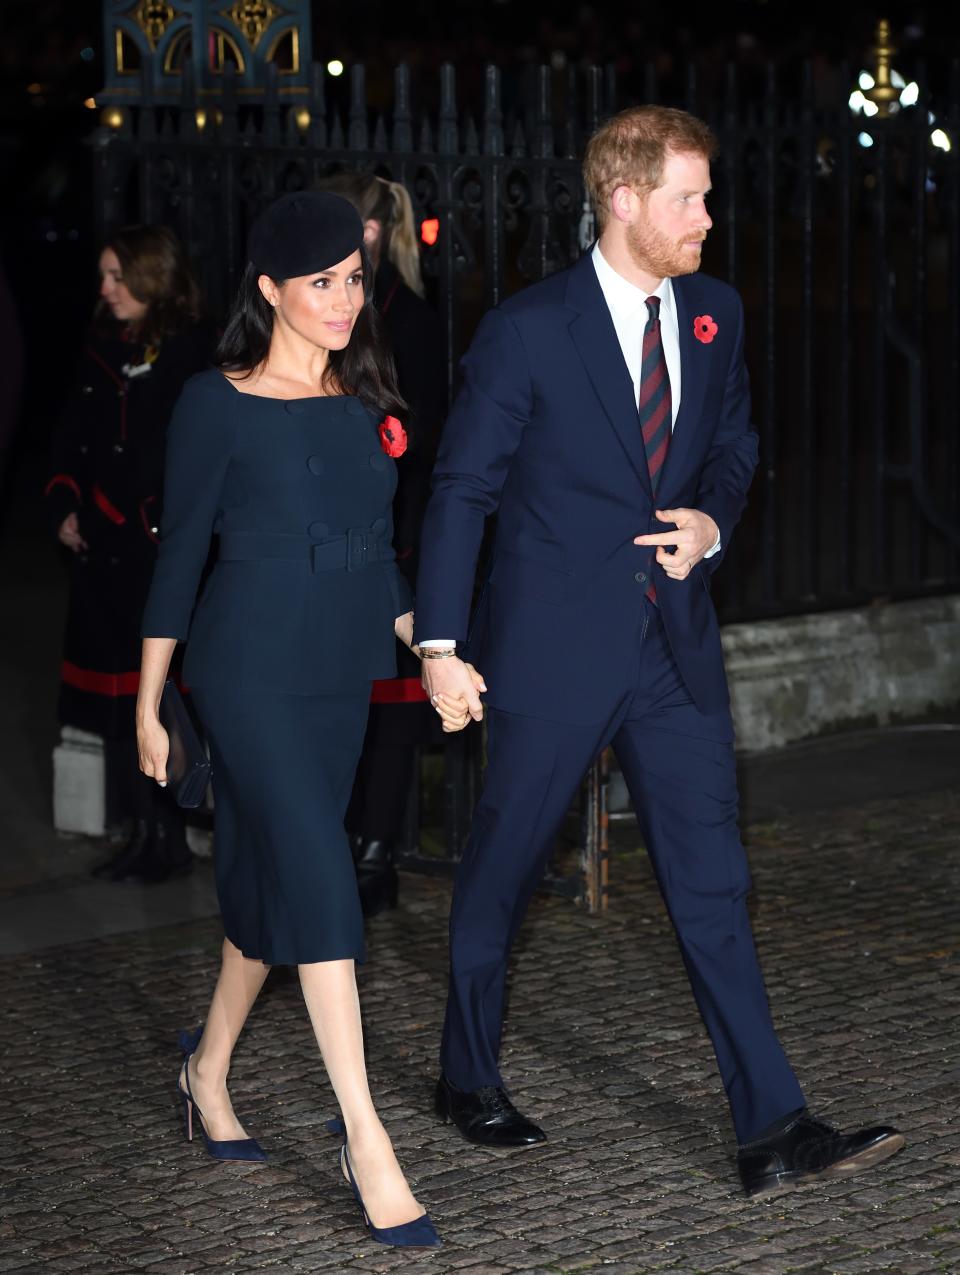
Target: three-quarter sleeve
x=199, y=449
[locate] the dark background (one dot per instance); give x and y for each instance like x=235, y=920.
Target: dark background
x=51, y=62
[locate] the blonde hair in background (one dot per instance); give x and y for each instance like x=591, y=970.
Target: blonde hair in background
x=631, y=148
x=378, y=199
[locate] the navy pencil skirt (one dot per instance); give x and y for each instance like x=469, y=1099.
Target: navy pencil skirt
x=283, y=769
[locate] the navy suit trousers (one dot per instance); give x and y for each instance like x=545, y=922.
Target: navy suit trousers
x=678, y=764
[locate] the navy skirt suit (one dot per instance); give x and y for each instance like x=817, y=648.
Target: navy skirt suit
x=294, y=623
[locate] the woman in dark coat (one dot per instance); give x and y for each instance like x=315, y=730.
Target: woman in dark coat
x=284, y=451
x=400, y=717
x=104, y=499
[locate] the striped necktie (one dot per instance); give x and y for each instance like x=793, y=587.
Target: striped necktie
x=655, y=402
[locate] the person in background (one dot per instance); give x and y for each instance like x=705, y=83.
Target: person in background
x=400, y=717
x=104, y=499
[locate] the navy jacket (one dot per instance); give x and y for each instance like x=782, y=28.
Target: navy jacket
x=545, y=432
x=305, y=589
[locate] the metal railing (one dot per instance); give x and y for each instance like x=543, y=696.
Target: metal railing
x=841, y=232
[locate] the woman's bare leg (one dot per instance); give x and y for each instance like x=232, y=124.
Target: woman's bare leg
x=330, y=991
x=237, y=988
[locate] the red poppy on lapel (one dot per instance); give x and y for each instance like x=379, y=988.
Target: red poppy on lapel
x=704, y=328
x=393, y=437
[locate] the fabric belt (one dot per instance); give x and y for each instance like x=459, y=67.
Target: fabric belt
x=350, y=552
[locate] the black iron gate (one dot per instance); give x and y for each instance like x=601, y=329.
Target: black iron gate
x=841, y=230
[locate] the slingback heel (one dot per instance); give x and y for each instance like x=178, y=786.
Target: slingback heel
x=418, y=1233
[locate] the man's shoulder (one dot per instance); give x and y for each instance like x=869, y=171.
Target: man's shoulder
x=707, y=290
x=538, y=299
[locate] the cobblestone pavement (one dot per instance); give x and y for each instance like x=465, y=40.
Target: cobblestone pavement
x=857, y=913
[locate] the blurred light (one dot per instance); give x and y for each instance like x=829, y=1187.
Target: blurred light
x=870, y=108
x=90, y=103
x=335, y=67
x=558, y=59
x=897, y=80
x=856, y=100
x=34, y=88
x=430, y=230
x=865, y=139
x=87, y=54
x=865, y=80
x=939, y=139
x=911, y=94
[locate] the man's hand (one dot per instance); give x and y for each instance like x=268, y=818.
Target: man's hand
x=695, y=536
x=449, y=681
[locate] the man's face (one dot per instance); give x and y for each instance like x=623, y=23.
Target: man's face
x=666, y=238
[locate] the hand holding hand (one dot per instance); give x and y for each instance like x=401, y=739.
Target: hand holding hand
x=695, y=536
x=454, y=689
x=153, y=745
x=69, y=534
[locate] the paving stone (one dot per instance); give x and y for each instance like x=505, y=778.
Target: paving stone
x=857, y=915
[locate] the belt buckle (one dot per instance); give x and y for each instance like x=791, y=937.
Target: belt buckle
x=358, y=545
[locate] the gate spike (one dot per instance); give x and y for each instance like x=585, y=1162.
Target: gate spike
x=492, y=114
x=518, y=147
x=402, y=115
x=380, y=135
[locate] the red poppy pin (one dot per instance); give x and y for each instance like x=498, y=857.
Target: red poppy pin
x=704, y=328
x=393, y=437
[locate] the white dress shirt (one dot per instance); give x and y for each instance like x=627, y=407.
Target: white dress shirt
x=627, y=305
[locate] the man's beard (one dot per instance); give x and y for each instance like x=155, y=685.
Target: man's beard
x=653, y=252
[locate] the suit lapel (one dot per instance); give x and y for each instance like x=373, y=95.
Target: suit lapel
x=596, y=341
x=695, y=360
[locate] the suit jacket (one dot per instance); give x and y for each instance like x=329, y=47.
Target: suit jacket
x=545, y=432
x=306, y=589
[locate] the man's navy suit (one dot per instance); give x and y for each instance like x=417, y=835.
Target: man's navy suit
x=545, y=433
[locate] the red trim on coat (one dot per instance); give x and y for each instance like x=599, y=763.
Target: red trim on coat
x=117, y=380
x=151, y=534
x=398, y=690
x=106, y=507
x=111, y=684
x=67, y=481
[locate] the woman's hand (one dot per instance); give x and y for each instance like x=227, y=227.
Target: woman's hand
x=153, y=745
x=69, y=534
x=403, y=627
x=454, y=713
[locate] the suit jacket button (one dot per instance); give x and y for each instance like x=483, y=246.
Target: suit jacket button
x=640, y=577
x=315, y=464
x=318, y=530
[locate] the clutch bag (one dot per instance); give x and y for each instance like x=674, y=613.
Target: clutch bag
x=188, y=767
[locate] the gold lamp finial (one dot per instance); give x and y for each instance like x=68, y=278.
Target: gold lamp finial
x=884, y=93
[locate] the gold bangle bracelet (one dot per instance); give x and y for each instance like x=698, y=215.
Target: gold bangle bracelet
x=431, y=654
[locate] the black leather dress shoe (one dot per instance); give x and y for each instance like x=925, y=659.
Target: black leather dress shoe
x=807, y=1150
x=486, y=1116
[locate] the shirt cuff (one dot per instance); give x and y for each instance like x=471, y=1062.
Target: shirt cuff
x=439, y=644
x=708, y=554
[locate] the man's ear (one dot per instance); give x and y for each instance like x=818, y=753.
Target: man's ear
x=624, y=203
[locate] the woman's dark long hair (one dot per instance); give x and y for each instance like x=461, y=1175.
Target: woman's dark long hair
x=363, y=367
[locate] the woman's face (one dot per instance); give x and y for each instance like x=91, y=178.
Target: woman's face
x=123, y=304
x=321, y=308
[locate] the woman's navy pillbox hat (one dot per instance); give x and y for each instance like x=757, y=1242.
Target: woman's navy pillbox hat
x=304, y=232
